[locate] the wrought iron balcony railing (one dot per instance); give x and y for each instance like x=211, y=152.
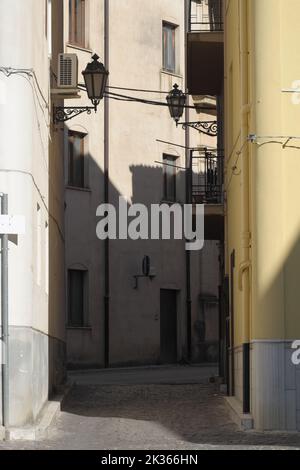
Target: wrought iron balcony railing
x=206, y=15
x=207, y=176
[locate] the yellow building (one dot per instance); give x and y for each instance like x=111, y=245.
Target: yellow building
x=262, y=248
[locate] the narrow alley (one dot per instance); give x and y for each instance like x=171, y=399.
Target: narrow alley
x=166, y=408
x=149, y=228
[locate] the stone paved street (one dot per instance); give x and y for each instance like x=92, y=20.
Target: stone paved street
x=160, y=416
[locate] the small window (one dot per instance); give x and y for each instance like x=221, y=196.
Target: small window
x=48, y=24
x=38, y=245
x=77, y=22
x=169, y=178
x=77, y=177
x=169, y=47
x=47, y=258
x=46, y=18
x=77, y=295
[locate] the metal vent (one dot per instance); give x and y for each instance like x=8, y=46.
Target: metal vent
x=67, y=71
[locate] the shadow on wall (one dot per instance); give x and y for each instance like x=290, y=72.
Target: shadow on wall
x=134, y=326
x=55, y=230
x=275, y=379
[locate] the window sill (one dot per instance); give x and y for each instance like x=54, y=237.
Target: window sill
x=84, y=328
x=75, y=188
x=166, y=201
x=172, y=74
x=79, y=48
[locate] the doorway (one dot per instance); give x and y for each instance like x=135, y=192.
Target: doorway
x=168, y=326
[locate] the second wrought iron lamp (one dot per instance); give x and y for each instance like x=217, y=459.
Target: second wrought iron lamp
x=176, y=100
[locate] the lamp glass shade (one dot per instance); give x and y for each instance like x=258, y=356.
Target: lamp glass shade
x=176, y=100
x=95, y=77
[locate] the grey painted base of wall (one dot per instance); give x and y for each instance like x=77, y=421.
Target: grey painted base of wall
x=36, y=366
x=275, y=385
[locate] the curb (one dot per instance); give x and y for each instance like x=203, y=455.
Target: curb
x=244, y=421
x=48, y=415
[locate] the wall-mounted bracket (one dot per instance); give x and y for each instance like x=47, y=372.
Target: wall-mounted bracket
x=139, y=276
x=65, y=113
x=209, y=128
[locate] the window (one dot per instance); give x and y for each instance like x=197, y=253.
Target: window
x=77, y=175
x=47, y=258
x=77, y=22
x=38, y=245
x=169, y=44
x=77, y=287
x=46, y=18
x=169, y=178
x=48, y=24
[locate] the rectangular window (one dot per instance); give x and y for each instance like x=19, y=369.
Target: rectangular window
x=77, y=286
x=38, y=245
x=46, y=18
x=76, y=159
x=47, y=258
x=77, y=22
x=169, y=178
x=169, y=47
x=48, y=24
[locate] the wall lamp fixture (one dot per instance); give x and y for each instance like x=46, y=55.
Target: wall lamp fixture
x=176, y=100
x=95, y=77
x=148, y=272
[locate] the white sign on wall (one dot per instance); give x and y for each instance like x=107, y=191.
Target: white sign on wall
x=12, y=225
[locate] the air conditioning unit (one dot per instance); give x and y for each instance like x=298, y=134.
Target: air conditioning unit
x=67, y=71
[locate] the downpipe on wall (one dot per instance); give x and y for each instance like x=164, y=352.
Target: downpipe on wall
x=4, y=318
x=188, y=192
x=106, y=192
x=245, y=267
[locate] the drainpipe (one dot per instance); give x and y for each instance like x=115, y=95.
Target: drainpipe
x=188, y=190
x=106, y=191
x=4, y=319
x=245, y=267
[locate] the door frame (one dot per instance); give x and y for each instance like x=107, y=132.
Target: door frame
x=178, y=324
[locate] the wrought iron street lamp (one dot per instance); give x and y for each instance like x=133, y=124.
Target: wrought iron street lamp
x=95, y=77
x=176, y=100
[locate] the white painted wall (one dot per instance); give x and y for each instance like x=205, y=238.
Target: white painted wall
x=26, y=177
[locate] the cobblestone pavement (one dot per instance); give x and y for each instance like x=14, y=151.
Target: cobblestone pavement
x=171, y=417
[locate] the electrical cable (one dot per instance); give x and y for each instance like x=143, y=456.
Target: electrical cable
x=234, y=167
x=139, y=90
x=30, y=76
x=8, y=71
x=150, y=102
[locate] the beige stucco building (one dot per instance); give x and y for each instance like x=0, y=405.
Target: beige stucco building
x=72, y=297
x=126, y=149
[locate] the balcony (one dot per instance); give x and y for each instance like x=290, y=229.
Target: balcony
x=206, y=47
x=206, y=15
x=207, y=188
